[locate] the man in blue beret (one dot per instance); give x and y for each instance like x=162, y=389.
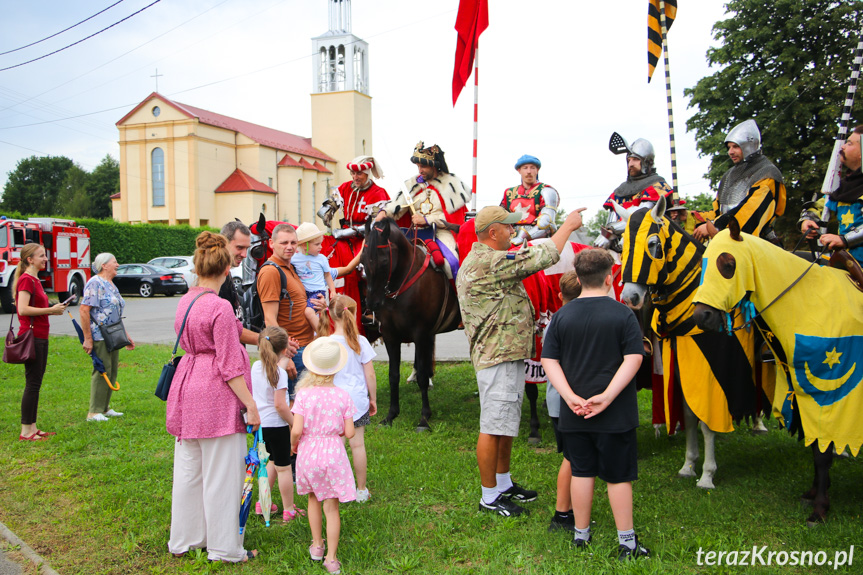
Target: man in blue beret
x=537, y=201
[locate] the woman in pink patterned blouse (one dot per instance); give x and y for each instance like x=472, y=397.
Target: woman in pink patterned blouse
x=210, y=388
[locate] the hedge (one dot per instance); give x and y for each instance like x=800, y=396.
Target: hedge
x=136, y=243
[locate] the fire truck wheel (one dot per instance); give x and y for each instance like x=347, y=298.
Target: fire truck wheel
x=77, y=290
x=145, y=289
x=6, y=300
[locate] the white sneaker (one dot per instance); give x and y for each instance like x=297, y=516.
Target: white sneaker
x=97, y=417
x=112, y=413
x=363, y=495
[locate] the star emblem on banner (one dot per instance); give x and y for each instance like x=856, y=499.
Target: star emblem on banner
x=847, y=219
x=832, y=358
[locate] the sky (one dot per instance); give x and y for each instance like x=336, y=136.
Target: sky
x=555, y=81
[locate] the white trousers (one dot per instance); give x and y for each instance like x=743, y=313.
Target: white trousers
x=205, y=500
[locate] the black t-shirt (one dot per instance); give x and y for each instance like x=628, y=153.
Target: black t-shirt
x=589, y=337
x=227, y=292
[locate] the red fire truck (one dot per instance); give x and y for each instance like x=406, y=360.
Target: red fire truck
x=67, y=246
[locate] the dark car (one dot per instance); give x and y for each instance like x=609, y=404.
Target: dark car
x=146, y=280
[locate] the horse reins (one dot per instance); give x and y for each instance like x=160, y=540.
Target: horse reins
x=409, y=279
x=749, y=320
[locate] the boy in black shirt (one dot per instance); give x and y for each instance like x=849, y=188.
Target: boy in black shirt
x=591, y=354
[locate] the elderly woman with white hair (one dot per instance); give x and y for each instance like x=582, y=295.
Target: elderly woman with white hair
x=102, y=305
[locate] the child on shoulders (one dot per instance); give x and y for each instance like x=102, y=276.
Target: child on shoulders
x=314, y=269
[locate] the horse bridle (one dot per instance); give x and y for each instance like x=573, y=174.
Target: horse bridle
x=408, y=280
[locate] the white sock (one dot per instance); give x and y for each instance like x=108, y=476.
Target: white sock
x=504, y=481
x=627, y=538
x=582, y=534
x=489, y=494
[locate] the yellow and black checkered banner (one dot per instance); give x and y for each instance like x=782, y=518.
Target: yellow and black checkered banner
x=654, y=31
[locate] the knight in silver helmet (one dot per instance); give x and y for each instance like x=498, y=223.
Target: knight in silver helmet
x=642, y=187
x=536, y=200
x=751, y=192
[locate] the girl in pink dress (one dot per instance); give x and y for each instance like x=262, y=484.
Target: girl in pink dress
x=322, y=414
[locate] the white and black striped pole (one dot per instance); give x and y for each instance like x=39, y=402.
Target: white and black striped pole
x=831, y=179
x=668, y=97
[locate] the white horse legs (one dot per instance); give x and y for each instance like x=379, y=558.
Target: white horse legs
x=709, y=467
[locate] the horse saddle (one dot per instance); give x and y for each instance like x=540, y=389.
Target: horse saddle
x=842, y=260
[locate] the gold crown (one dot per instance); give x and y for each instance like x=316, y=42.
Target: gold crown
x=428, y=154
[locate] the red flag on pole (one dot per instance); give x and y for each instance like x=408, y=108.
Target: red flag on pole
x=471, y=21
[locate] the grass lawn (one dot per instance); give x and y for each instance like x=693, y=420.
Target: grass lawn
x=96, y=498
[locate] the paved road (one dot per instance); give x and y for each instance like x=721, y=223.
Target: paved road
x=151, y=320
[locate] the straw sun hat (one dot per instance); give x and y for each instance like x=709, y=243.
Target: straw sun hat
x=307, y=232
x=325, y=356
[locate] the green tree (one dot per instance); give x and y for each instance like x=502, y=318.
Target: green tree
x=701, y=203
x=73, y=199
x=786, y=64
x=104, y=182
x=34, y=184
x=596, y=222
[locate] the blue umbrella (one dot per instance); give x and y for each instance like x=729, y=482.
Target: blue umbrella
x=97, y=363
x=252, y=462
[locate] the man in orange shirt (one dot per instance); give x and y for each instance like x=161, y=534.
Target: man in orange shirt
x=285, y=309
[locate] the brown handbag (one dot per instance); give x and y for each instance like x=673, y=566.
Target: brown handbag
x=21, y=349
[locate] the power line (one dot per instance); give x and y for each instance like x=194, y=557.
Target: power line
x=61, y=31
x=81, y=40
x=113, y=59
x=258, y=71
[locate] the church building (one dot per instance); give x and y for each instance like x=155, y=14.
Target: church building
x=180, y=164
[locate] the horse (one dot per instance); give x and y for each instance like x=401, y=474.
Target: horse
x=818, y=392
x=410, y=302
x=716, y=376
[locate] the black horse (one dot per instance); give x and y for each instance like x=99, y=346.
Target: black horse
x=409, y=302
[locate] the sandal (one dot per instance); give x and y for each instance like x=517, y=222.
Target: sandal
x=33, y=437
x=250, y=554
x=291, y=514
x=333, y=566
x=41, y=433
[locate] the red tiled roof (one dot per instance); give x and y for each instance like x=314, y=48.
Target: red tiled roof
x=305, y=164
x=289, y=162
x=115, y=196
x=261, y=134
x=321, y=168
x=240, y=181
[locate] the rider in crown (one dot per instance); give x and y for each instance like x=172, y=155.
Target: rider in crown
x=434, y=201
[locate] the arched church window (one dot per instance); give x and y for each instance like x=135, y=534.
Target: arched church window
x=158, y=176
x=300, y=200
x=331, y=70
x=359, y=79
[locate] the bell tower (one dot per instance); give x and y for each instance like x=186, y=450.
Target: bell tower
x=341, y=105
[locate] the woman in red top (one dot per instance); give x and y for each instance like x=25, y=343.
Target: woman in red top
x=33, y=309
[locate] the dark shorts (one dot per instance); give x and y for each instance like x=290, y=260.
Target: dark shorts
x=363, y=420
x=301, y=367
x=310, y=295
x=278, y=440
x=558, y=436
x=613, y=457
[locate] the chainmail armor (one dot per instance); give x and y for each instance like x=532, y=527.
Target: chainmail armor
x=735, y=184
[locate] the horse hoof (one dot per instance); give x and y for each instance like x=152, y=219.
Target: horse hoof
x=686, y=474
x=814, y=521
x=758, y=432
x=421, y=428
x=705, y=485
x=534, y=440
x=386, y=423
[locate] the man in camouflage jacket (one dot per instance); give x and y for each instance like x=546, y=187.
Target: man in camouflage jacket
x=498, y=322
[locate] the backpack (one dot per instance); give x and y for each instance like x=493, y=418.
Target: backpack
x=253, y=311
